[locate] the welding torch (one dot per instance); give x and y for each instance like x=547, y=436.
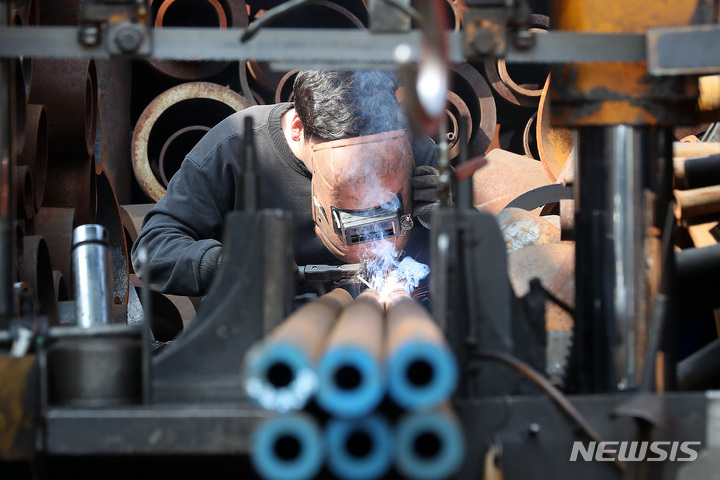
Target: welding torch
x=327, y=273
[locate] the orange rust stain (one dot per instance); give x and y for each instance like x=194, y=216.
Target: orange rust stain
x=611, y=112
x=631, y=16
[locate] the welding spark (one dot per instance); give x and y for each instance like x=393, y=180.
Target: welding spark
x=387, y=273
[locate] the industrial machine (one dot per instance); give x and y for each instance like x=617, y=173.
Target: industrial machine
x=84, y=392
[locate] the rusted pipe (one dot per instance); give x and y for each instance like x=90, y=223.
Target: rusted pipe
x=279, y=372
x=24, y=192
x=205, y=103
x=36, y=270
x=73, y=185
x=68, y=89
x=56, y=225
x=34, y=153
x=697, y=202
x=284, y=90
x=175, y=149
x=20, y=103
x=530, y=139
x=505, y=176
x=351, y=382
x=422, y=371
x=473, y=89
x=108, y=215
x=196, y=13
x=554, y=144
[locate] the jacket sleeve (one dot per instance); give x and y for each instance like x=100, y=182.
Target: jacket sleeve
x=181, y=233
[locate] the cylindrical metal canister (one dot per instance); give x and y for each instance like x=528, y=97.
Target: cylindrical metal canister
x=91, y=265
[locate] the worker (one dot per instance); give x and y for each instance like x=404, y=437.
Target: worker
x=338, y=111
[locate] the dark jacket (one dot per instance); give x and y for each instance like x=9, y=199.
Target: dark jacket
x=182, y=232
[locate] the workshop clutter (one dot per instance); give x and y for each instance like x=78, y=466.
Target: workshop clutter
x=360, y=383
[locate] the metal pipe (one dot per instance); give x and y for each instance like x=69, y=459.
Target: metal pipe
x=35, y=151
x=279, y=371
x=697, y=202
x=359, y=449
x=422, y=371
x=610, y=231
x=429, y=445
x=91, y=265
x=288, y=447
x=697, y=172
x=701, y=370
x=349, y=370
x=176, y=147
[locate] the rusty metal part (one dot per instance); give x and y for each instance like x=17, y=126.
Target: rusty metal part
x=554, y=144
x=530, y=139
x=36, y=270
x=518, y=94
x=24, y=301
x=176, y=147
x=20, y=105
x=709, y=99
x=68, y=89
x=455, y=14
x=467, y=169
x=471, y=87
x=312, y=14
x=348, y=370
x=699, y=149
x=61, y=290
x=697, y=202
x=108, y=215
x=28, y=10
x=132, y=218
x=567, y=219
x=24, y=192
x=196, y=13
x=279, y=370
x=73, y=185
x=56, y=226
x=593, y=94
x=521, y=228
x=196, y=100
x=115, y=80
x=169, y=315
x=284, y=90
x=422, y=372
x=553, y=264
x=505, y=177
x=18, y=407
x=309, y=326
x=35, y=154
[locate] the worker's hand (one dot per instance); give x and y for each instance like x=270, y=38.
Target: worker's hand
x=426, y=196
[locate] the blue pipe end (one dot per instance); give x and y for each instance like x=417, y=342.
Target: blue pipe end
x=287, y=448
x=421, y=375
x=279, y=377
x=429, y=446
x=350, y=382
x=359, y=449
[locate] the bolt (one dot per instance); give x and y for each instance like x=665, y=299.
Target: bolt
x=128, y=39
x=534, y=429
x=89, y=35
x=484, y=41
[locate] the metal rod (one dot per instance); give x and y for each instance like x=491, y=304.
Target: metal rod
x=422, y=371
x=349, y=370
x=91, y=274
x=6, y=181
x=279, y=372
x=360, y=448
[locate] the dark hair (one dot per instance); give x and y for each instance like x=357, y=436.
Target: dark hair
x=333, y=105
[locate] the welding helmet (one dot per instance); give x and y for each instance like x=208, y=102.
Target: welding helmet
x=361, y=193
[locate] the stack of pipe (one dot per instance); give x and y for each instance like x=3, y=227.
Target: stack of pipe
x=360, y=387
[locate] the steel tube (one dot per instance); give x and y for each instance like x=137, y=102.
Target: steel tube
x=203, y=102
x=429, y=445
x=287, y=448
x=610, y=238
x=176, y=147
x=697, y=202
x=279, y=373
x=422, y=372
x=359, y=449
x=91, y=263
x=35, y=152
x=349, y=370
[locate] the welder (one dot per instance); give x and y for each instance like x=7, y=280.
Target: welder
x=340, y=159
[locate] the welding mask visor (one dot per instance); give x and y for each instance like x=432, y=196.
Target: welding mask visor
x=361, y=193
